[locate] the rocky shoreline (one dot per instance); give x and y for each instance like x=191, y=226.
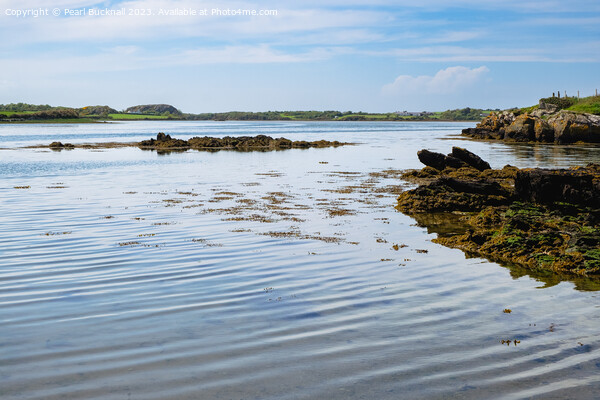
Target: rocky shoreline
x=537, y=218
x=546, y=124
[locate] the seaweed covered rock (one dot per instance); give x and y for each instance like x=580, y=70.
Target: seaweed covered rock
x=547, y=219
x=534, y=236
x=450, y=194
x=240, y=143
x=163, y=142
x=576, y=186
x=60, y=145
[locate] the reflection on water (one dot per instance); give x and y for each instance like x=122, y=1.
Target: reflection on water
x=274, y=275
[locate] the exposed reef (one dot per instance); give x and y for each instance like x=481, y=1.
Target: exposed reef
x=164, y=142
x=546, y=124
x=60, y=146
x=537, y=218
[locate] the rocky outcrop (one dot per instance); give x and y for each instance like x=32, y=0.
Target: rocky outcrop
x=491, y=127
x=541, y=125
x=521, y=129
x=153, y=109
x=97, y=110
x=241, y=143
x=575, y=186
x=542, y=219
x=164, y=142
x=570, y=127
x=457, y=159
x=60, y=146
x=438, y=160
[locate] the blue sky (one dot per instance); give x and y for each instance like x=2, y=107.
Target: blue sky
x=375, y=56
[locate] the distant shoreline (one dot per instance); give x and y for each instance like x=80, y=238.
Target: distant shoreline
x=89, y=121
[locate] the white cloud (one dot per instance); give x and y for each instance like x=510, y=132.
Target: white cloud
x=446, y=81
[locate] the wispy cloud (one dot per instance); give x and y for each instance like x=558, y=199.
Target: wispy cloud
x=445, y=81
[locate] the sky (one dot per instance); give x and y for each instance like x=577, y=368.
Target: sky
x=371, y=55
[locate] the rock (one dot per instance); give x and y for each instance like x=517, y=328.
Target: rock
x=542, y=219
x=241, y=143
x=453, y=162
x=439, y=161
x=580, y=186
x=60, y=146
x=522, y=129
x=470, y=158
x=570, y=127
x=548, y=107
x=450, y=194
x=541, y=125
x=543, y=131
x=432, y=159
x=488, y=188
x=491, y=126
x=161, y=137
x=164, y=142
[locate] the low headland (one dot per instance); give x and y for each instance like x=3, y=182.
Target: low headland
x=543, y=219
x=553, y=120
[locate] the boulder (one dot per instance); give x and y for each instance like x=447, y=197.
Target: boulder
x=454, y=162
x=491, y=126
x=432, y=159
x=522, y=129
x=548, y=107
x=577, y=186
x=60, y=145
x=543, y=131
x=439, y=161
x=470, y=158
x=162, y=137
x=570, y=127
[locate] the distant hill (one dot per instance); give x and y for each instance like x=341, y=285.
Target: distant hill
x=20, y=107
x=153, y=109
x=97, y=110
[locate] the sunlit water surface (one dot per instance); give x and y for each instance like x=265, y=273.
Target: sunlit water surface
x=126, y=274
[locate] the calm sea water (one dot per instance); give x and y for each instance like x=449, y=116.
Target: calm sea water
x=127, y=274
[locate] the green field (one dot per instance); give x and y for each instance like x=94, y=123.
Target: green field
x=53, y=121
x=136, y=116
x=587, y=105
x=9, y=113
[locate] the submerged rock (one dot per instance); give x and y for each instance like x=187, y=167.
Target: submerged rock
x=545, y=219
